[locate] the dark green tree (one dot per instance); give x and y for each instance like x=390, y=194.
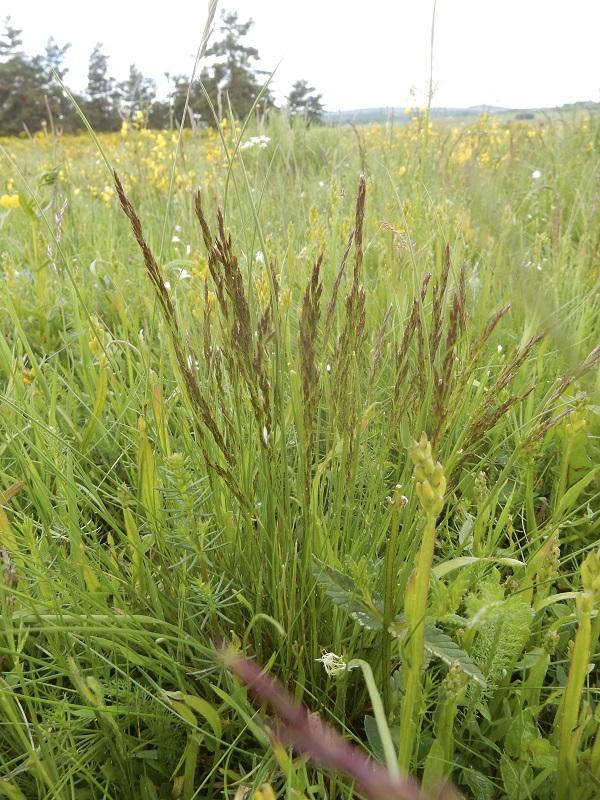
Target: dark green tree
x=10, y=42
x=60, y=107
x=138, y=93
x=159, y=115
x=30, y=95
x=302, y=101
x=232, y=78
x=101, y=106
x=22, y=84
x=53, y=58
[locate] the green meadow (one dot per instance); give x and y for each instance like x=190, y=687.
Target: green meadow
x=328, y=399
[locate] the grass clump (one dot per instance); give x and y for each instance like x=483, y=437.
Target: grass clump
x=217, y=445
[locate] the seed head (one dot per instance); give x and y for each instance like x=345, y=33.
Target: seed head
x=590, y=575
x=429, y=477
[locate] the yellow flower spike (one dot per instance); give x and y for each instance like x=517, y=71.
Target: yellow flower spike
x=420, y=451
x=430, y=486
x=430, y=478
x=590, y=575
x=425, y=494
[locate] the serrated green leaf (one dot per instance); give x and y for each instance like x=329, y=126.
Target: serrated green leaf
x=342, y=591
x=543, y=754
x=512, y=777
x=480, y=785
x=440, y=645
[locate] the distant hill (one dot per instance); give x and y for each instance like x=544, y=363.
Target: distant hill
x=360, y=116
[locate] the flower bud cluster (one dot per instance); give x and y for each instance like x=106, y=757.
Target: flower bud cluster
x=590, y=575
x=429, y=477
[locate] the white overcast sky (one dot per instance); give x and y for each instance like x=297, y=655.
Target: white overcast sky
x=515, y=53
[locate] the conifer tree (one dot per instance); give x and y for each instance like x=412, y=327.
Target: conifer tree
x=302, y=101
x=101, y=94
x=233, y=78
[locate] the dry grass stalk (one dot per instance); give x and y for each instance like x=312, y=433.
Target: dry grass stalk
x=309, y=321
x=335, y=290
x=207, y=331
x=546, y=421
x=443, y=381
x=489, y=418
x=452, y=392
x=511, y=368
x=353, y=334
x=245, y=353
x=194, y=391
x=439, y=293
x=412, y=324
x=378, y=346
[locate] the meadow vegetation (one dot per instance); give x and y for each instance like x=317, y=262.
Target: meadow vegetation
x=337, y=407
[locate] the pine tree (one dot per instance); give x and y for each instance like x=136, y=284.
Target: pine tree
x=233, y=78
x=51, y=64
x=54, y=57
x=302, y=101
x=101, y=103
x=22, y=83
x=137, y=93
x=10, y=42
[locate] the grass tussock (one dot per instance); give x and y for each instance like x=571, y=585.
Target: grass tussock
x=241, y=441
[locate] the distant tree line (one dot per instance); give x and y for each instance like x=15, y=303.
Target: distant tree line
x=31, y=97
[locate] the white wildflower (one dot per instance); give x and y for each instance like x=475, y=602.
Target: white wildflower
x=255, y=141
x=536, y=174
x=332, y=663
x=183, y=273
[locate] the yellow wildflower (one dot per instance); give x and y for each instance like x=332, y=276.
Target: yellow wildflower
x=9, y=201
x=27, y=376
